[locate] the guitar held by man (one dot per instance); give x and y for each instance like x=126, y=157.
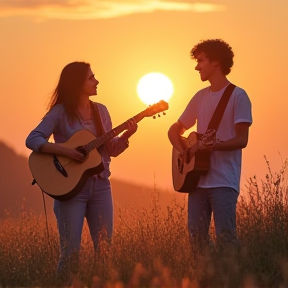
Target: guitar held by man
x=193, y=161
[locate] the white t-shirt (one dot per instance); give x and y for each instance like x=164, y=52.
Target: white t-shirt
x=225, y=167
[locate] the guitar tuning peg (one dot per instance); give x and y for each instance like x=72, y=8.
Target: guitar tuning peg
x=164, y=113
x=154, y=117
x=159, y=115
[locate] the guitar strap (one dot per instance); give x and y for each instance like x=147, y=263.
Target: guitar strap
x=219, y=111
x=97, y=121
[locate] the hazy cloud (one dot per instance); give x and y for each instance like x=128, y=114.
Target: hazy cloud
x=93, y=9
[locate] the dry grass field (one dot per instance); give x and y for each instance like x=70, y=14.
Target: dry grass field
x=151, y=247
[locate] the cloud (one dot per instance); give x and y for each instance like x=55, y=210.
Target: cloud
x=97, y=9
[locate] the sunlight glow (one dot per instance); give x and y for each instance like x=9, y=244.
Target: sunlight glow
x=154, y=87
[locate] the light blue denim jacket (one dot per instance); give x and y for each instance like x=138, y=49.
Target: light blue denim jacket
x=56, y=122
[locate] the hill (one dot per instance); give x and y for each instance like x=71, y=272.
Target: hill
x=17, y=193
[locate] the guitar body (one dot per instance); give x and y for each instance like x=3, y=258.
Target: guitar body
x=186, y=172
x=54, y=183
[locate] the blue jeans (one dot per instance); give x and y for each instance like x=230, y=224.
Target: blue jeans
x=93, y=202
x=221, y=201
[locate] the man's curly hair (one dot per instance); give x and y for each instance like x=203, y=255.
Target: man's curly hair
x=215, y=50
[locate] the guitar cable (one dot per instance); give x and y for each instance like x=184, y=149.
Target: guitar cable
x=46, y=218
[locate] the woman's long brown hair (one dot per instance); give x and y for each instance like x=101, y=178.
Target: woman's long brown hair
x=69, y=87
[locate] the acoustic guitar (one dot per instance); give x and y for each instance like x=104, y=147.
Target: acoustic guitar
x=189, y=166
x=61, y=177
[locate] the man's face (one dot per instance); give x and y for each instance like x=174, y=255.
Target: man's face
x=205, y=67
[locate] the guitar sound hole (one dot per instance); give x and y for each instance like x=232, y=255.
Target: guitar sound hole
x=59, y=167
x=180, y=165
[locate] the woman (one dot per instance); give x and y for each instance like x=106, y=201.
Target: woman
x=69, y=111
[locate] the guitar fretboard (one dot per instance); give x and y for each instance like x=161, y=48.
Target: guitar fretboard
x=99, y=141
x=162, y=105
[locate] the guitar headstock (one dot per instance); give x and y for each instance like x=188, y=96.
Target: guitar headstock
x=161, y=106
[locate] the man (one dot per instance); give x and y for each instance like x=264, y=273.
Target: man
x=218, y=190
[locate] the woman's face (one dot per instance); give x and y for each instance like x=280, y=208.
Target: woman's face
x=90, y=85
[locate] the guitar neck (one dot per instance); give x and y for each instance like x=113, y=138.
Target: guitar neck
x=99, y=141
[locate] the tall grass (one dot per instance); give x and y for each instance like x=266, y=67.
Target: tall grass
x=151, y=246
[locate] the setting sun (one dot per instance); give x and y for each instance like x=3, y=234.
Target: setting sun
x=154, y=87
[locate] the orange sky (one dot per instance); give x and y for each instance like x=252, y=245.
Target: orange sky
x=124, y=40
